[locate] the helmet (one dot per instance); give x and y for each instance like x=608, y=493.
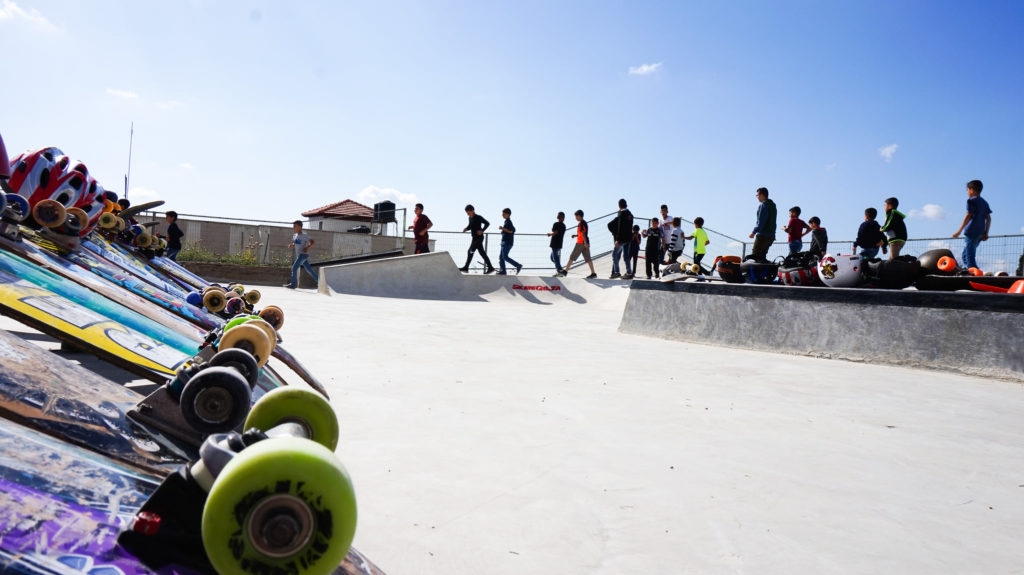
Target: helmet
x=34, y=171
x=91, y=202
x=5, y=162
x=799, y=276
x=841, y=271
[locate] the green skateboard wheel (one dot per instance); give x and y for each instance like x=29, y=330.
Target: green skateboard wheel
x=237, y=320
x=296, y=405
x=283, y=505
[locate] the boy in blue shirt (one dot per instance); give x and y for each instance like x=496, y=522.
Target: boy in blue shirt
x=977, y=222
x=869, y=236
x=508, y=237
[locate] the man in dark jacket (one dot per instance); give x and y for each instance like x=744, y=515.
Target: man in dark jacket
x=764, y=231
x=476, y=226
x=621, y=228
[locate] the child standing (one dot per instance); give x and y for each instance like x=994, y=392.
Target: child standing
x=895, y=228
x=977, y=222
x=652, y=253
x=556, y=234
x=869, y=236
x=508, y=237
x=675, y=244
x=797, y=229
x=700, y=240
x=819, y=237
x=174, y=235
x=634, y=250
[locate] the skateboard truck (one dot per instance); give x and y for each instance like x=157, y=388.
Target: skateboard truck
x=209, y=394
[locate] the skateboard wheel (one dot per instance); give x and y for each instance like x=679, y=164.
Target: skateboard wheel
x=296, y=405
x=49, y=213
x=214, y=301
x=252, y=297
x=121, y=224
x=946, y=264
x=108, y=221
x=240, y=360
x=109, y=207
x=194, y=298
x=17, y=206
x=137, y=230
x=284, y=504
x=144, y=240
x=274, y=316
x=236, y=321
x=79, y=213
x=234, y=305
x=238, y=289
x=250, y=338
x=975, y=272
x=216, y=400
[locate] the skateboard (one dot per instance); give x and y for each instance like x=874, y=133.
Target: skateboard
x=111, y=253
x=175, y=269
x=62, y=509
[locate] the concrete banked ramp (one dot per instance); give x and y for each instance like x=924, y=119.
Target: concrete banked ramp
x=436, y=277
x=973, y=333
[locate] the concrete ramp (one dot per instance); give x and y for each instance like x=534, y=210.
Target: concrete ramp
x=436, y=277
x=972, y=333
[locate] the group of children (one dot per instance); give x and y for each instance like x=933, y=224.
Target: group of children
x=665, y=237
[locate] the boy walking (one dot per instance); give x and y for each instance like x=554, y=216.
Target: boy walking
x=869, y=236
x=582, y=246
x=666, y=233
x=420, y=225
x=676, y=240
x=819, y=238
x=652, y=253
x=764, y=231
x=621, y=228
x=508, y=237
x=976, y=223
x=174, y=235
x=797, y=229
x=895, y=228
x=557, y=234
x=477, y=225
x=301, y=242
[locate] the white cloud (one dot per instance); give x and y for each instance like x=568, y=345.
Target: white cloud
x=929, y=212
x=644, y=69
x=11, y=11
x=126, y=94
x=186, y=166
x=372, y=194
x=887, y=152
x=140, y=195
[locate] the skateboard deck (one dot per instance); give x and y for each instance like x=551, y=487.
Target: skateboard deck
x=63, y=507
x=101, y=247
x=81, y=327
x=177, y=271
x=953, y=283
x=97, y=284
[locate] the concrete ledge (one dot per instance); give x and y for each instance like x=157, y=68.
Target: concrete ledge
x=971, y=333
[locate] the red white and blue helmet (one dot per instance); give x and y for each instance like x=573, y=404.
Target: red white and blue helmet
x=35, y=174
x=92, y=203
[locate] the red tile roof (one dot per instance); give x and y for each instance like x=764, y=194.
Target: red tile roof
x=345, y=209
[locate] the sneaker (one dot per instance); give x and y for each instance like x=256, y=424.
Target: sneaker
x=464, y=270
x=488, y=271
x=648, y=277
x=289, y=286
x=614, y=276
x=499, y=273
x=627, y=277
x=591, y=277
x=519, y=268
x=561, y=274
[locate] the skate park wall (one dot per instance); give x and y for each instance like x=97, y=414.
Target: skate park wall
x=435, y=276
x=971, y=333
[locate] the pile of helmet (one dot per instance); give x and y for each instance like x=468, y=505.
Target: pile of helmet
x=58, y=195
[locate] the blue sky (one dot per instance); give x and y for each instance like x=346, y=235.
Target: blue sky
x=268, y=109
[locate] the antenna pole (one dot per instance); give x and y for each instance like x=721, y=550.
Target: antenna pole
x=128, y=176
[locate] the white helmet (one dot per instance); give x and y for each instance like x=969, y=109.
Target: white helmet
x=841, y=271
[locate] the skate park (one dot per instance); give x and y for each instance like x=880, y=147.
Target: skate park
x=555, y=427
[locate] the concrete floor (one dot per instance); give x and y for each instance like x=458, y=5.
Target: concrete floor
x=509, y=437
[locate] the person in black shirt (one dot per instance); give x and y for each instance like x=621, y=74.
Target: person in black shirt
x=869, y=236
x=557, y=234
x=477, y=225
x=174, y=235
x=621, y=228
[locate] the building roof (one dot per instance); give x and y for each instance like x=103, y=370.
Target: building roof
x=345, y=210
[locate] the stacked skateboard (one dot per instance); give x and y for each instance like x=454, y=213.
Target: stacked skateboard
x=222, y=469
